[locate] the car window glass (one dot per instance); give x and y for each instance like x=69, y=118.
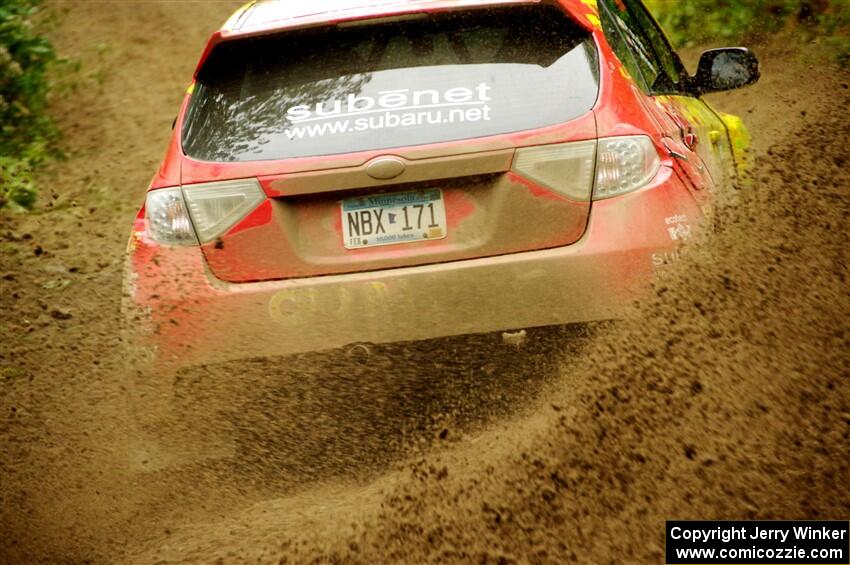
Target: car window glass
x=449, y=76
x=628, y=42
x=664, y=53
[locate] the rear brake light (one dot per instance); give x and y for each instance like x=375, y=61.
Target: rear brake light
x=624, y=164
x=166, y=218
x=199, y=212
x=566, y=168
x=216, y=206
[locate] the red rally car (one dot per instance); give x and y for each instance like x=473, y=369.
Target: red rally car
x=348, y=171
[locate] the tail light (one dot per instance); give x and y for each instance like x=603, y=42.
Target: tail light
x=624, y=164
x=216, y=206
x=566, y=168
x=167, y=219
x=199, y=212
x=586, y=170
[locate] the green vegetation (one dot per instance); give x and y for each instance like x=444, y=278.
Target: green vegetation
x=27, y=133
x=699, y=22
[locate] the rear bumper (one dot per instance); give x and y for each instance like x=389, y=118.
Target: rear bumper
x=184, y=316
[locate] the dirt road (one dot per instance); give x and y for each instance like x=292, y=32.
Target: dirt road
x=724, y=394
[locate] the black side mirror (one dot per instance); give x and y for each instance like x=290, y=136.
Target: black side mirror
x=725, y=69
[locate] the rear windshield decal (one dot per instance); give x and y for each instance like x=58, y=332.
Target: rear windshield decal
x=390, y=109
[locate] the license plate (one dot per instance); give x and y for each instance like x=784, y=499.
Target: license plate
x=387, y=219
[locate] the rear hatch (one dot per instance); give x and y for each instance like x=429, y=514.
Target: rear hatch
x=396, y=140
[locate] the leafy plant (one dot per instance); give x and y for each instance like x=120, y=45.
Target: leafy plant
x=17, y=182
x=27, y=133
x=696, y=22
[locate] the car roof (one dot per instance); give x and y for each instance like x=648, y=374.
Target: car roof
x=266, y=15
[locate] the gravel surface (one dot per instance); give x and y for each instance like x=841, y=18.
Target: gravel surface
x=724, y=393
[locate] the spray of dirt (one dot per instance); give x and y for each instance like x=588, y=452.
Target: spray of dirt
x=723, y=394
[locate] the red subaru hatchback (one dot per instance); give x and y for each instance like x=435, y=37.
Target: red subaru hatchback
x=369, y=171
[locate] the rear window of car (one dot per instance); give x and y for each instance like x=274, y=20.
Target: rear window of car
x=404, y=81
